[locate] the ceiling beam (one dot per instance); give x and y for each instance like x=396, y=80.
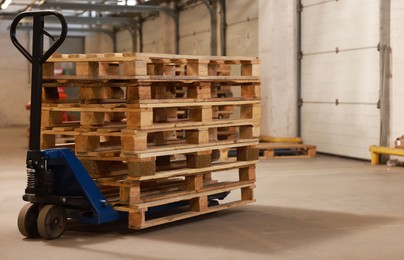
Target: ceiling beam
x=81, y=19
x=79, y=30
x=99, y=20
x=104, y=7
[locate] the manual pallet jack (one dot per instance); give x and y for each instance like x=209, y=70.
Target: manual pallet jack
x=58, y=186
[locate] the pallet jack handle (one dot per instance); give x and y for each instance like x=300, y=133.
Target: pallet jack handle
x=37, y=59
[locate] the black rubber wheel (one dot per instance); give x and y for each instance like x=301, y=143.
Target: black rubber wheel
x=27, y=220
x=52, y=221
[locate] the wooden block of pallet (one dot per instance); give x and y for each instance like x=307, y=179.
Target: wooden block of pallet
x=193, y=193
x=287, y=150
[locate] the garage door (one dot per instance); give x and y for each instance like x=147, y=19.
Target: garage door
x=340, y=76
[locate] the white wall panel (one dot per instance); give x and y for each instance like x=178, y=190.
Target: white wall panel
x=343, y=130
x=194, y=20
x=343, y=24
x=351, y=75
x=195, y=30
x=240, y=10
x=242, y=27
x=397, y=83
x=124, y=42
x=98, y=43
x=346, y=76
x=151, y=34
x=15, y=79
x=242, y=39
x=198, y=44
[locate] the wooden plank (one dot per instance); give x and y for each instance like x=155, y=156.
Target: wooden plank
x=111, y=155
x=110, y=130
x=128, y=107
x=192, y=148
x=189, y=214
x=193, y=194
x=121, y=179
x=190, y=171
x=154, y=78
x=97, y=57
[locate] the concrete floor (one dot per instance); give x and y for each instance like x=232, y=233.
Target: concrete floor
x=323, y=208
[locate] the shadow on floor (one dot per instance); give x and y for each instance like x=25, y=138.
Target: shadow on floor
x=258, y=229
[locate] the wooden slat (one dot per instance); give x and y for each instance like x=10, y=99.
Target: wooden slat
x=190, y=214
x=130, y=56
x=154, y=78
x=191, y=171
x=219, y=188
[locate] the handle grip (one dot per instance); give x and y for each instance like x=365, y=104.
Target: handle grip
x=38, y=15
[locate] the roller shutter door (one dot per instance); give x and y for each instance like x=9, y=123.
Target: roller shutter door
x=340, y=76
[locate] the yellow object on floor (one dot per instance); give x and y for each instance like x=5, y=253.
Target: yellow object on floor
x=376, y=151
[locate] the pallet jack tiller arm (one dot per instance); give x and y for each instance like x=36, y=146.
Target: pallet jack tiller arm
x=37, y=59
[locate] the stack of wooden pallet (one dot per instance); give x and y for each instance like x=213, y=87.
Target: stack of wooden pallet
x=152, y=125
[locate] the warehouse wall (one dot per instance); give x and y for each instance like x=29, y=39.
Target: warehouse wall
x=151, y=31
x=242, y=31
x=397, y=81
x=14, y=79
x=195, y=30
x=124, y=41
x=98, y=43
x=242, y=27
x=15, y=83
x=277, y=51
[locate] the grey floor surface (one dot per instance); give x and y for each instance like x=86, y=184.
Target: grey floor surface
x=323, y=208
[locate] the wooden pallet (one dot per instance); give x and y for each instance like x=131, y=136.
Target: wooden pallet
x=286, y=150
x=145, y=92
x=120, y=65
x=131, y=141
x=193, y=191
x=149, y=116
x=155, y=160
